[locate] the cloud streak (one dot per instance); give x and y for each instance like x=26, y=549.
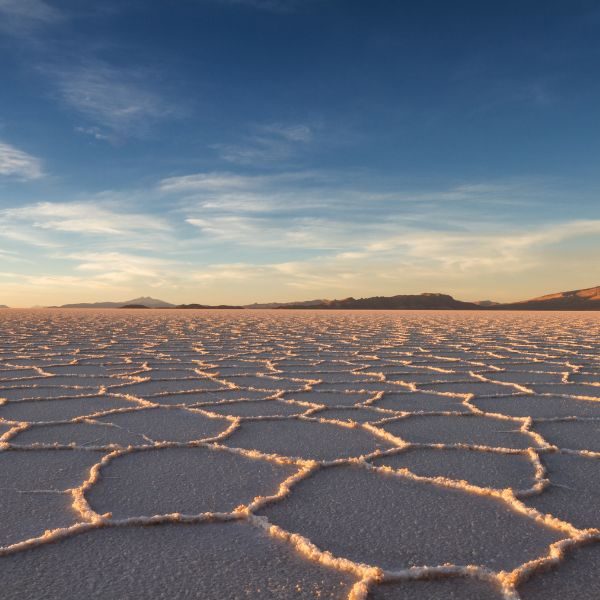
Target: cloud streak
x=269, y=143
x=20, y=16
x=81, y=218
x=275, y=6
x=117, y=101
x=19, y=164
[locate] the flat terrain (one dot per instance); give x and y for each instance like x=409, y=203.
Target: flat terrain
x=298, y=454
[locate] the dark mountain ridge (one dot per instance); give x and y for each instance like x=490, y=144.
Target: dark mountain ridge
x=584, y=299
x=410, y=301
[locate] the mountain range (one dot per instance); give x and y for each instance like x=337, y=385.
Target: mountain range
x=584, y=299
x=426, y=301
x=142, y=301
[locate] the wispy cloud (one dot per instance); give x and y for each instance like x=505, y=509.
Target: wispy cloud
x=325, y=211
x=262, y=232
x=80, y=218
x=122, y=266
x=292, y=133
x=19, y=164
x=268, y=143
x=21, y=16
x=419, y=261
x=221, y=193
x=224, y=181
x=277, y=6
x=117, y=101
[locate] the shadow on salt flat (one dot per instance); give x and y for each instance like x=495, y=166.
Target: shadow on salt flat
x=310, y=440
x=209, y=561
x=165, y=374
x=189, y=398
x=393, y=522
x=478, y=388
x=370, y=385
x=8, y=374
x=420, y=401
x=485, y=469
x=455, y=588
x=79, y=369
x=260, y=408
x=168, y=424
x=184, y=480
x=571, y=389
x=45, y=393
x=574, y=492
x=585, y=377
x=77, y=381
x=337, y=377
x=426, y=377
x=460, y=429
x=525, y=377
x=149, y=389
x=60, y=409
x=338, y=398
x=539, y=406
x=82, y=434
x=349, y=414
x=578, y=578
x=575, y=435
x=270, y=383
x=30, y=498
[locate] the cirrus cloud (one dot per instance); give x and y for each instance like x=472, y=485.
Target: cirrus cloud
x=19, y=164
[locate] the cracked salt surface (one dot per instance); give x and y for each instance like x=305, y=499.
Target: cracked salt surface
x=205, y=561
x=279, y=454
x=184, y=480
x=483, y=469
x=386, y=520
x=455, y=588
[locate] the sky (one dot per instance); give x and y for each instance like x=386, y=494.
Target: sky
x=231, y=151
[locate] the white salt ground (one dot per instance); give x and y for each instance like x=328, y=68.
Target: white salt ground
x=276, y=455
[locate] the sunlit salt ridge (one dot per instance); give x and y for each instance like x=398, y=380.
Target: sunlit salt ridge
x=277, y=455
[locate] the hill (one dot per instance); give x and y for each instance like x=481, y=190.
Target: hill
x=427, y=301
x=134, y=306
x=585, y=299
x=192, y=306
x=303, y=304
x=145, y=301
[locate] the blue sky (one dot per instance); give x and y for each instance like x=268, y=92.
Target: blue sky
x=240, y=150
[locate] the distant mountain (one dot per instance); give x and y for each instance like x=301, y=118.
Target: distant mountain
x=303, y=304
x=3, y=306
x=151, y=302
x=144, y=301
x=135, y=306
x=192, y=306
x=586, y=299
x=426, y=301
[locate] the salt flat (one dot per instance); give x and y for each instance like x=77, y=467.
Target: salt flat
x=298, y=454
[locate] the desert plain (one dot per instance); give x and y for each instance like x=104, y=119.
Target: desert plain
x=295, y=454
